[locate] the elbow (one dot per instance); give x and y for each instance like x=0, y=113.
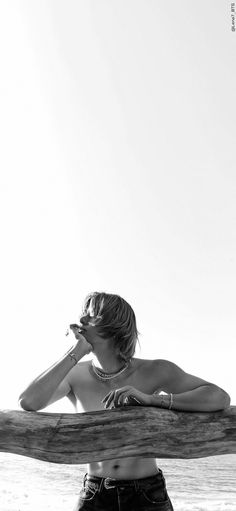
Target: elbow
x=226, y=400
x=222, y=399
x=25, y=405
x=218, y=399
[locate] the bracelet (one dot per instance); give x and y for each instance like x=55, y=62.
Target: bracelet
x=73, y=357
x=171, y=401
x=162, y=396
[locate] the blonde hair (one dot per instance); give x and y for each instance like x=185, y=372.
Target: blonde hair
x=114, y=319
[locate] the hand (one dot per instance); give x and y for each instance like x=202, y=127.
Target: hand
x=126, y=396
x=82, y=341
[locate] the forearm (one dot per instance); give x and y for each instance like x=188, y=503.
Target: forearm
x=207, y=398
x=40, y=390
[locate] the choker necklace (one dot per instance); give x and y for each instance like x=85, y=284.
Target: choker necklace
x=108, y=376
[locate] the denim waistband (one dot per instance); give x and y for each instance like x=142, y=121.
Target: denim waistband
x=109, y=482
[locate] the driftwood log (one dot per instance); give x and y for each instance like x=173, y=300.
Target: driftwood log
x=122, y=432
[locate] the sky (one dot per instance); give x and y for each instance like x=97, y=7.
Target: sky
x=118, y=175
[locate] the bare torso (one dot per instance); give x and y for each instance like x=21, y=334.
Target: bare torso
x=89, y=391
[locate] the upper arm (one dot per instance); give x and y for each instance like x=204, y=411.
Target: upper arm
x=175, y=380
x=69, y=386
x=64, y=389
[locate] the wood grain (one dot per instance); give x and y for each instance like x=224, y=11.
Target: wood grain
x=128, y=431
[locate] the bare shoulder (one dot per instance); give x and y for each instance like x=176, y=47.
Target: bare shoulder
x=156, y=369
x=167, y=370
x=160, y=370
x=164, y=365
x=173, y=378
x=154, y=365
x=149, y=375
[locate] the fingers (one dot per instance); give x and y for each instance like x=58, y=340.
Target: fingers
x=107, y=400
x=122, y=398
x=115, y=398
x=134, y=401
x=77, y=332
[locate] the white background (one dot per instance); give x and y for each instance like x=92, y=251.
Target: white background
x=118, y=175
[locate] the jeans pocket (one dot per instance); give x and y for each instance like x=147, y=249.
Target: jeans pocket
x=88, y=492
x=155, y=496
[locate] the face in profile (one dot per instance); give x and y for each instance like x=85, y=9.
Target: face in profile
x=88, y=323
x=109, y=317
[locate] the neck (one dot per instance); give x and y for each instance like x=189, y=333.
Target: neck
x=107, y=360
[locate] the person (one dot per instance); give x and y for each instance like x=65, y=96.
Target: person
x=116, y=378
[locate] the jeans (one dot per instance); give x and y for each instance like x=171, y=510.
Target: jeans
x=106, y=494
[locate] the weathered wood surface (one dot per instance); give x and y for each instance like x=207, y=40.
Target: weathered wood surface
x=127, y=431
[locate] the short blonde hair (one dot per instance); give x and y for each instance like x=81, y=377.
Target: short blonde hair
x=114, y=319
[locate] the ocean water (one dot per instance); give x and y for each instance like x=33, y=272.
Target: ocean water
x=206, y=484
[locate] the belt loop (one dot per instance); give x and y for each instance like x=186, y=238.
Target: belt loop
x=101, y=484
x=85, y=479
x=136, y=485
